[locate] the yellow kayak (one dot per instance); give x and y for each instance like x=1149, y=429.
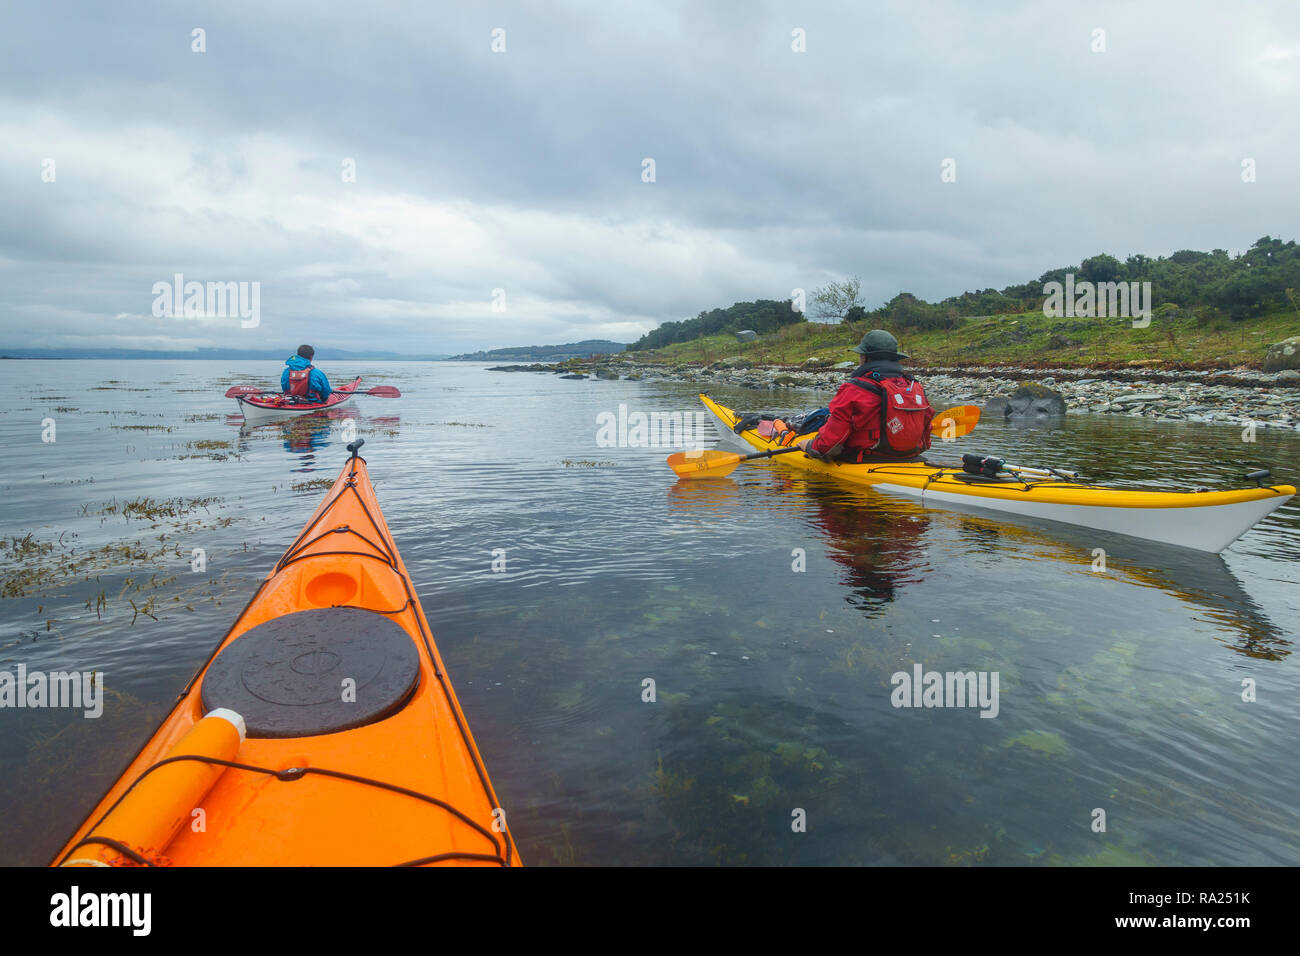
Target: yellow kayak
x=1203, y=520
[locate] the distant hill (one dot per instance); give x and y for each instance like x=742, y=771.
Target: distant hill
x=544, y=353
x=279, y=355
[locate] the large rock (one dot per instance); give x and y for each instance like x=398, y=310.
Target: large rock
x=1030, y=408
x=748, y=335
x=995, y=406
x=1031, y=400
x=1283, y=355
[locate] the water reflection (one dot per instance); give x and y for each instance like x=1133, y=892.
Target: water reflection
x=884, y=543
x=305, y=437
x=880, y=546
x=1202, y=581
x=706, y=497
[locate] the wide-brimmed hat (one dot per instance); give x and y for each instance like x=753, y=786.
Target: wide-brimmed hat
x=879, y=342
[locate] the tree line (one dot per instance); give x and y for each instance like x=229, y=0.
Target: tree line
x=764, y=315
x=1263, y=278
x=1259, y=280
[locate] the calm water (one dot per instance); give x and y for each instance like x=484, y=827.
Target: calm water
x=1119, y=691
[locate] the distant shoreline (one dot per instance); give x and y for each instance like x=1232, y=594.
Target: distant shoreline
x=1236, y=396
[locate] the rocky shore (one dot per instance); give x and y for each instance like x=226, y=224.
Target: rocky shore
x=1228, y=397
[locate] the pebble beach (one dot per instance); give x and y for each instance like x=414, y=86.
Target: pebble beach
x=1237, y=396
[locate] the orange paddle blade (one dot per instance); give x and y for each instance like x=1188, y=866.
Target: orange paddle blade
x=710, y=463
x=955, y=422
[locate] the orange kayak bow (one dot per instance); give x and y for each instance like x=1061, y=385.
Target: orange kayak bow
x=322, y=731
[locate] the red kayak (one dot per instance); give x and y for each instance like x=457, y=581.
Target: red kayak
x=260, y=407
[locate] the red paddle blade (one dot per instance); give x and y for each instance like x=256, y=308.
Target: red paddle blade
x=237, y=390
x=382, y=391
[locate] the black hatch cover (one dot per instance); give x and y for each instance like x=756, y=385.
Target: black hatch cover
x=314, y=672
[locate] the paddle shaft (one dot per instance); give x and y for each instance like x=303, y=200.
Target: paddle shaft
x=769, y=454
x=713, y=464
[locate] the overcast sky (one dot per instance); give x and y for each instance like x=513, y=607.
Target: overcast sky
x=522, y=170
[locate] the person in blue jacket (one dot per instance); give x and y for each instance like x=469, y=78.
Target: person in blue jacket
x=303, y=380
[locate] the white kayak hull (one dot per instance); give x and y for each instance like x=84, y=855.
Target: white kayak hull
x=1207, y=529
x=255, y=411
x=260, y=413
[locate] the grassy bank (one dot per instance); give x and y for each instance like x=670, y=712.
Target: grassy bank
x=1029, y=339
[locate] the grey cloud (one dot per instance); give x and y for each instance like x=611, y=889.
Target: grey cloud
x=775, y=169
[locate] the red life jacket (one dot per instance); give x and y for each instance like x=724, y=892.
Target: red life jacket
x=299, y=381
x=905, y=414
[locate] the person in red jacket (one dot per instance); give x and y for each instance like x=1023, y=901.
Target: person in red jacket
x=880, y=413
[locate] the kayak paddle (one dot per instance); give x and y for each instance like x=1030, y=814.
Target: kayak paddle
x=714, y=463
x=955, y=422
x=379, y=391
